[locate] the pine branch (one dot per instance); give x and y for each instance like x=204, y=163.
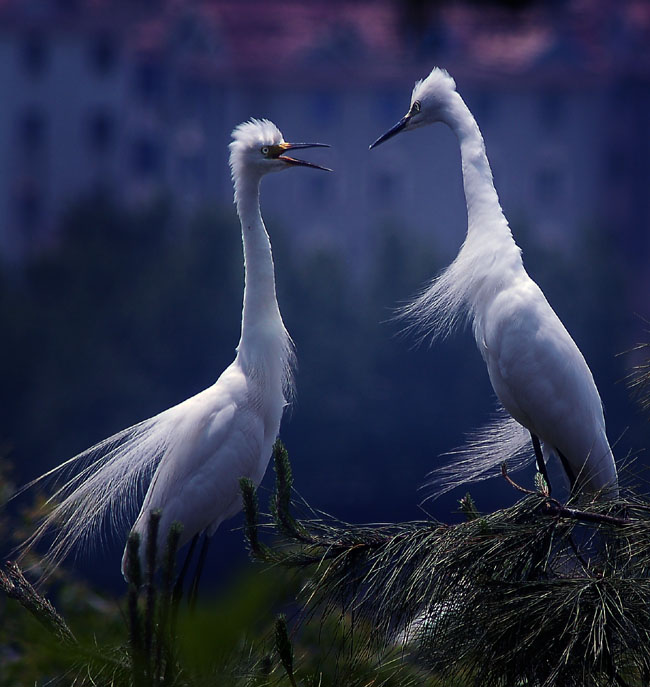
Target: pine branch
x=468, y=507
x=284, y=648
x=251, y=527
x=538, y=593
x=555, y=508
x=15, y=586
x=281, y=502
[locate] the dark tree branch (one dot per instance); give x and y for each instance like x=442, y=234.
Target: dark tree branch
x=15, y=585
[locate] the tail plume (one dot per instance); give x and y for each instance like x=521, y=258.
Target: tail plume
x=501, y=440
x=107, y=484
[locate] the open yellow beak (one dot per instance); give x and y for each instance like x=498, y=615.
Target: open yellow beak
x=278, y=152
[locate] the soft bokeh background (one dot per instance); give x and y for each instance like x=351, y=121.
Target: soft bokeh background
x=120, y=252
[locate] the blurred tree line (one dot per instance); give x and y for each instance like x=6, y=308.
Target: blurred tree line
x=128, y=315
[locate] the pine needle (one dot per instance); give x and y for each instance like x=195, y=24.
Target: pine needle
x=540, y=593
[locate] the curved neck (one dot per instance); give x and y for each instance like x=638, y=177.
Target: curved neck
x=260, y=303
x=489, y=256
x=484, y=212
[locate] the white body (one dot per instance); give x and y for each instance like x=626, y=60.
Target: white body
x=191, y=457
x=227, y=431
x=539, y=374
x=224, y=433
x=536, y=369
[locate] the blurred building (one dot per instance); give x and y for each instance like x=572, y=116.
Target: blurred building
x=139, y=98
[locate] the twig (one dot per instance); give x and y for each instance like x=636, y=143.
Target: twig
x=16, y=586
x=512, y=483
x=553, y=507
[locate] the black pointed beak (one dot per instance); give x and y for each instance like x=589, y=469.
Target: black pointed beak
x=301, y=163
x=391, y=132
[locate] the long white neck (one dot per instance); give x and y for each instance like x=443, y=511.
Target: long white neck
x=260, y=301
x=488, y=256
x=265, y=345
x=484, y=213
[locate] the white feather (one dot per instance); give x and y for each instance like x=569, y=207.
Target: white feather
x=187, y=461
x=503, y=440
x=109, y=480
x=537, y=371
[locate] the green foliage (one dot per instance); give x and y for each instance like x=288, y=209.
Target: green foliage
x=284, y=647
x=281, y=500
x=468, y=507
x=237, y=640
x=38, y=646
x=249, y=496
x=540, y=593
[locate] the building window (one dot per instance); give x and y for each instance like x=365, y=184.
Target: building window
x=101, y=131
x=103, y=54
x=32, y=131
x=146, y=158
x=35, y=54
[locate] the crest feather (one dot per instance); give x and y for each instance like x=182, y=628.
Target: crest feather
x=255, y=132
x=439, y=79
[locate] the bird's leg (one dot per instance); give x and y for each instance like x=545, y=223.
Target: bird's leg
x=567, y=469
x=194, y=587
x=541, y=465
x=178, y=587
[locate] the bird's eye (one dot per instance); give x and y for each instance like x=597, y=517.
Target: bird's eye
x=265, y=150
x=416, y=107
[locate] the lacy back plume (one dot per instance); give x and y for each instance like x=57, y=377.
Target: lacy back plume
x=444, y=304
x=109, y=482
x=503, y=440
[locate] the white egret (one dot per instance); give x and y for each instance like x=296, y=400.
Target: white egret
x=537, y=371
x=194, y=453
